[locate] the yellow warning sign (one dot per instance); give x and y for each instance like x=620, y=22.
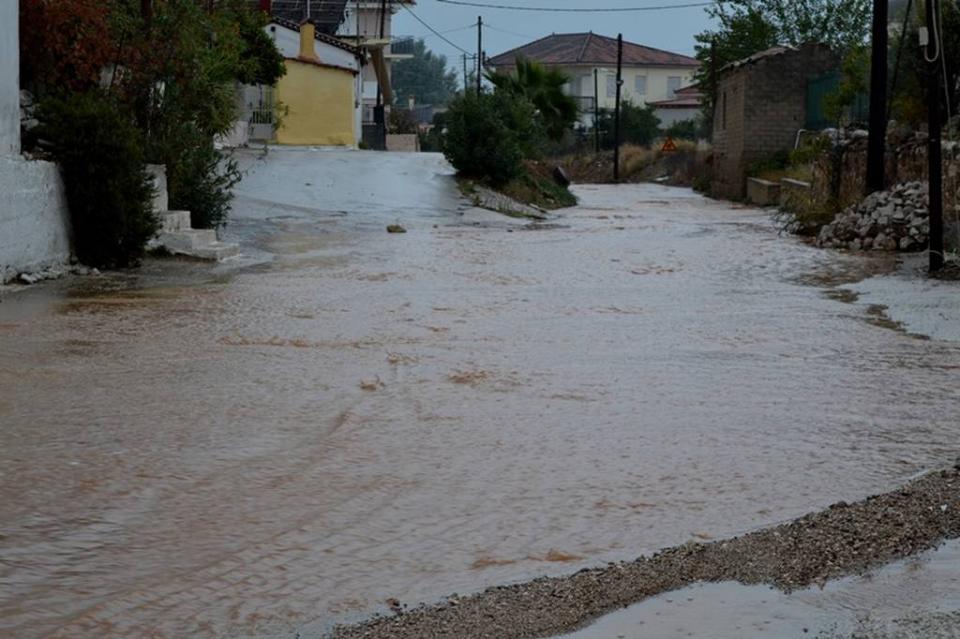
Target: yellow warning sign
x=669, y=146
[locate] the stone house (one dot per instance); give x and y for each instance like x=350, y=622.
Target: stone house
x=760, y=108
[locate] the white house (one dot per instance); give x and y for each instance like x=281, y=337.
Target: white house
x=649, y=75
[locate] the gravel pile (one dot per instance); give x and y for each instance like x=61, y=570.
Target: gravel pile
x=841, y=540
x=896, y=220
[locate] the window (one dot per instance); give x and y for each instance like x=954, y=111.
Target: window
x=611, y=85
x=673, y=85
x=641, y=85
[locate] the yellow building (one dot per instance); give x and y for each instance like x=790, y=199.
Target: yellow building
x=318, y=94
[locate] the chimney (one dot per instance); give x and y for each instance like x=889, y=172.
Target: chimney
x=411, y=102
x=307, y=41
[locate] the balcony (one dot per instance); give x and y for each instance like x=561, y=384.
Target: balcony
x=401, y=47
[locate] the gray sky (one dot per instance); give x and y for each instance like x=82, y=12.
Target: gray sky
x=672, y=30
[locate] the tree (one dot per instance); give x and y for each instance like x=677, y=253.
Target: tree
x=912, y=93
x=638, y=125
x=750, y=26
x=424, y=77
x=544, y=89
x=62, y=44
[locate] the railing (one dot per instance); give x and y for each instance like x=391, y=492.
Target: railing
x=584, y=103
x=402, y=46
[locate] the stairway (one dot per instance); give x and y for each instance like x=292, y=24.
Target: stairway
x=178, y=237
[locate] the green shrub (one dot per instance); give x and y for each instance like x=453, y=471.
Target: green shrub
x=480, y=142
x=683, y=130
x=108, y=190
x=200, y=179
x=638, y=125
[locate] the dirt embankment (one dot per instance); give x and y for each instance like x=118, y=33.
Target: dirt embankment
x=841, y=540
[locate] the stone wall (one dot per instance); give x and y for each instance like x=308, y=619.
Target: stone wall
x=839, y=177
x=761, y=107
x=842, y=177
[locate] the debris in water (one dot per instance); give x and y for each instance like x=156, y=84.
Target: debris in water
x=396, y=228
x=371, y=384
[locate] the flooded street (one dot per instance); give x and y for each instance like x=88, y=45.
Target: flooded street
x=345, y=416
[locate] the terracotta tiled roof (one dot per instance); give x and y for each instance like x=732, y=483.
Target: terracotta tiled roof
x=590, y=48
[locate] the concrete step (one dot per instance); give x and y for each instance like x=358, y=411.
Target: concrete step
x=188, y=239
x=173, y=221
x=217, y=251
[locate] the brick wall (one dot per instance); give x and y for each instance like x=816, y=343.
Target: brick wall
x=765, y=107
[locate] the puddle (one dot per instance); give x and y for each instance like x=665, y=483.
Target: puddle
x=886, y=602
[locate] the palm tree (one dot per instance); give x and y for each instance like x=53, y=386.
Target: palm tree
x=543, y=87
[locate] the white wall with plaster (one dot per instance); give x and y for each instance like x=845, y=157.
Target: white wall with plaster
x=9, y=78
x=34, y=221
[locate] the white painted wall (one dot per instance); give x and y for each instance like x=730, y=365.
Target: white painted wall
x=9, y=78
x=34, y=222
x=288, y=42
x=656, y=84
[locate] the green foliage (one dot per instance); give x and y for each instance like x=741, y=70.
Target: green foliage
x=424, y=77
x=746, y=27
x=201, y=181
x=854, y=83
x=912, y=94
x=479, y=143
x=638, y=125
x=183, y=66
x=810, y=150
x=432, y=141
x=108, y=190
x=260, y=61
x=684, y=130
x=544, y=89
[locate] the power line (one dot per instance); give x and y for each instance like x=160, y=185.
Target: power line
x=434, y=31
x=509, y=7
x=513, y=33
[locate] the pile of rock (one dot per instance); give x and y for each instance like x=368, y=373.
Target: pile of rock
x=895, y=220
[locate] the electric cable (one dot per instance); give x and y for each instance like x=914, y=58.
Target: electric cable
x=509, y=7
x=434, y=31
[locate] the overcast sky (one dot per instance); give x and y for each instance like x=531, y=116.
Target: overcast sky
x=672, y=29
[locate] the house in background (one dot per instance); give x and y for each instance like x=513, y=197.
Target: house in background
x=369, y=24
x=649, y=75
x=686, y=104
x=318, y=98
x=761, y=106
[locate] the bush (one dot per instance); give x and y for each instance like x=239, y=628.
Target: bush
x=683, y=130
x=480, y=142
x=108, y=190
x=638, y=125
x=200, y=179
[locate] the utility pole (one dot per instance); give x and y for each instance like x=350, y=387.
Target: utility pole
x=465, y=77
x=934, y=153
x=596, y=110
x=479, y=54
x=616, y=117
x=877, y=143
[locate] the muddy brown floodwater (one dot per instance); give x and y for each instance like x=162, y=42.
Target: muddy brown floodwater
x=347, y=416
